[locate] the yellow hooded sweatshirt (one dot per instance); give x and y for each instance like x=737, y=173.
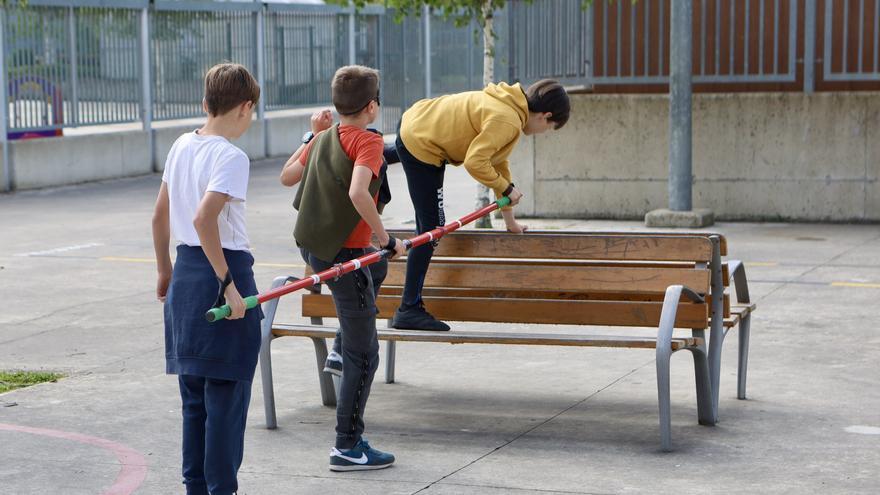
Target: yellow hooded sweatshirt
x=477, y=129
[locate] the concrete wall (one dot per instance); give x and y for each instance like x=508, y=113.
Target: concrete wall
x=284, y=132
x=279, y=134
x=72, y=159
x=755, y=157
x=110, y=152
x=165, y=134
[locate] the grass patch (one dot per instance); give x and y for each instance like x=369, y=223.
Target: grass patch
x=11, y=380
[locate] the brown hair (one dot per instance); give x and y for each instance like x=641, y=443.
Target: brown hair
x=353, y=88
x=228, y=86
x=548, y=95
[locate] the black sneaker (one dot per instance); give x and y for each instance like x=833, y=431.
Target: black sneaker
x=333, y=364
x=417, y=318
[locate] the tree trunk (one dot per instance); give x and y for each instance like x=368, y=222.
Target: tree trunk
x=488, y=78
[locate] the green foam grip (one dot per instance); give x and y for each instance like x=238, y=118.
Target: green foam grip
x=502, y=201
x=215, y=314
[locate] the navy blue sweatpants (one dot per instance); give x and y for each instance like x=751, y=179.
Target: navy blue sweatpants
x=214, y=417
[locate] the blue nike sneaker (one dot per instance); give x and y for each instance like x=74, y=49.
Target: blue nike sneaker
x=361, y=457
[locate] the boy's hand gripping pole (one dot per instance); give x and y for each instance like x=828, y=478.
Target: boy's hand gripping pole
x=337, y=271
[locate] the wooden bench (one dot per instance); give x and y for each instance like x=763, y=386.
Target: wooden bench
x=585, y=279
x=735, y=315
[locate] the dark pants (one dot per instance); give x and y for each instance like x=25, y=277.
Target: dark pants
x=425, y=183
x=355, y=299
x=378, y=272
x=214, y=417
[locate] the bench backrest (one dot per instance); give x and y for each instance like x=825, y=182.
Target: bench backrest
x=553, y=278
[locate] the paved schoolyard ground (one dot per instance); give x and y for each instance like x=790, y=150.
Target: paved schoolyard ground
x=77, y=292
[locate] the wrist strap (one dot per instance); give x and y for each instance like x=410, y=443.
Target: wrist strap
x=392, y=243
x=508, y=190
x=222, y=284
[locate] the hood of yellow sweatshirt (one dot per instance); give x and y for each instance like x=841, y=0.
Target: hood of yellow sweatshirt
x=512, y=96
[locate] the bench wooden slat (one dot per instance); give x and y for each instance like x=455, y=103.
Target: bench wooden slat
x=537, y=311
x=678, y=233
x=401, y=233
x=459, y=337
x=569, y=279
x=397, y=290
x=725, y=272
x=397, y=263
x=614, y=246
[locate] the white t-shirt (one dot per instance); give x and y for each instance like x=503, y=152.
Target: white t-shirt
x=195, y=165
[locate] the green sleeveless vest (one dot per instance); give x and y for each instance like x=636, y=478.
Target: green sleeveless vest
x=326, y=214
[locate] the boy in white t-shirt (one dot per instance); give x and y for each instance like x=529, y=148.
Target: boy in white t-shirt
x=201, y=203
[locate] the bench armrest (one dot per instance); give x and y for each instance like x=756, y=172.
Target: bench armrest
x=738, y=276
x=693, y=296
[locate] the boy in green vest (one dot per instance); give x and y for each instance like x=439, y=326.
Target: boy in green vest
x=340, y=174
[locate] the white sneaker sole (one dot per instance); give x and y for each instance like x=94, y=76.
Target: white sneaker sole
x=359, y=467
x=332, y=371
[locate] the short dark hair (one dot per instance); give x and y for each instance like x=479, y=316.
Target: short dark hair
x=548, y=95
x=228, y=86
x=353, y=88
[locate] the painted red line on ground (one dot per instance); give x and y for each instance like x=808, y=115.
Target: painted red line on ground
x=134, y=465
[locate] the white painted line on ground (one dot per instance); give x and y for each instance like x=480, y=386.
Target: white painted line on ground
x=855, y=284
x=61, y=249
x=128, y=260
x=151, y=260
x=863, y=430
x=281, y=265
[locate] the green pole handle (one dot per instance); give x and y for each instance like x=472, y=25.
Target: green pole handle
x=215, y=314
x=502, y=201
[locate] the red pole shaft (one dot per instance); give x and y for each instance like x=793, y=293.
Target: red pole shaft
x=350, y=266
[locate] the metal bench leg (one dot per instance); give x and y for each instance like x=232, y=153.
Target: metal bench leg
x=744, y=327
x=716, y=329
x=704, y=384
x=700, y=334
x=664, y=353
x=390, y=353
x=705, y=414
x=328, y=394
x=266, y=375
x=705, y=411
x=269, y=309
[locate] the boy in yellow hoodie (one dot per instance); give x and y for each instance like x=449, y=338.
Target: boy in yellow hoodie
x=477, y=129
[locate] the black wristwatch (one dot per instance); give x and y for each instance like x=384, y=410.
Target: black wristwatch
x=308, y=137
x=508, y=190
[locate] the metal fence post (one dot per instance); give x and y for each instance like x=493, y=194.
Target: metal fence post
x=146, y=84
x=260, y=49
x=810, y=46
x=426, y=18
x=4, y=105
x=313, y=83
x=74, y=66
x=680, y=167
x=352, y=31
x=588, y=45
